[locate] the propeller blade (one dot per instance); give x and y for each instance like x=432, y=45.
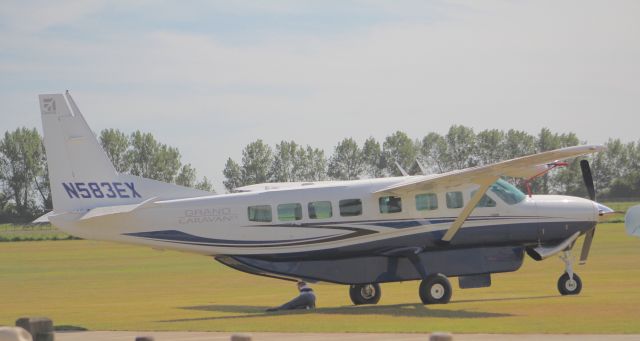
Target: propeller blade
x=586, y=245
x=588, y=179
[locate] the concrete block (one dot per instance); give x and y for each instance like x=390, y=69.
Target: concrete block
x=40, y=328
x=14, y=334
x=240, y=337
x=35, y=324
x=440, y=336
x=50, y=336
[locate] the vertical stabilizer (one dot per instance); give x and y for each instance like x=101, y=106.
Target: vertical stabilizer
x=74, y=154
x=80, y=173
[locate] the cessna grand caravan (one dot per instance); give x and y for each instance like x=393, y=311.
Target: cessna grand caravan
x=467, y=224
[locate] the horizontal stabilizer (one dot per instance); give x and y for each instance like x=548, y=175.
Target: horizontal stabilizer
x=119, y=209
x=43, y=219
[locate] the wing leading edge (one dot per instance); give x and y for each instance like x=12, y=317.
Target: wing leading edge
x=519, y=167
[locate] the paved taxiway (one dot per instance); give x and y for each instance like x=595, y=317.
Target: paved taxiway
x=214, y=336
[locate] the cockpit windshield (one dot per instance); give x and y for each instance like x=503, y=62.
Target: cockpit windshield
x=507, y=192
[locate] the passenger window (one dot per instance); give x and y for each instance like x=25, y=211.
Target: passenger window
x=454, y=200
x=390, y=204
x=320, y=210
x=260, y=213
x=350, y=207
x=426, y=201
x=287, y=212
x=485, y=201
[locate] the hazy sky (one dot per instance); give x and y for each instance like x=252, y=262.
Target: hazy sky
x=209, y=76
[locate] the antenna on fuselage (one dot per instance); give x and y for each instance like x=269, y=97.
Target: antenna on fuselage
x=404, y=172
x=422, y=168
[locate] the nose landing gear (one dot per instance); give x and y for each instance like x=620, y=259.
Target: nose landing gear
x=569, y=283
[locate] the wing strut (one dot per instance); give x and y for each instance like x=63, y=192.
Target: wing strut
x=453, y=229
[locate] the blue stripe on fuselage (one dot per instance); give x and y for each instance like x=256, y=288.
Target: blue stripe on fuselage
x=520, y=233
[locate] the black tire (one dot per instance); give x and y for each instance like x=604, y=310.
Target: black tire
x=568, y=287
x=435, y=289
x=365, y=293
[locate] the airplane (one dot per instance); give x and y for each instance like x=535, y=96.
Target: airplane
x=468, y=223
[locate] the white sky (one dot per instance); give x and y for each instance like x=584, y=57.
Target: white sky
x=209, y=77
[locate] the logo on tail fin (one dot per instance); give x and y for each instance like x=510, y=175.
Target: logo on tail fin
x=48, y=105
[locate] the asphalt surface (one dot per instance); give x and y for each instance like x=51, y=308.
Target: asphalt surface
x=211, y=336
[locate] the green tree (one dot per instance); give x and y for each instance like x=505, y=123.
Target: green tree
x=187, y=176
x=347, y=162
x=433, y=153
x=150, y=159
x=205, y=185
x=399, y=148
x=116, y=143
x=141, y=154
x=21, y=162
x=490, y=146
x=233, y=175
x=461, y=147
x=568, y=180
x=165, y=163
x=372, y=158
x=284, y=160
x=42, y=184
x=257, y=158
x=624, y=162
x=518, y=143
x=546, y=141
x=311, y=164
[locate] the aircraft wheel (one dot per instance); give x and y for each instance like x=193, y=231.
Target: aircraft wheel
x=365, y=293
x=435, y=289
x=568, y=286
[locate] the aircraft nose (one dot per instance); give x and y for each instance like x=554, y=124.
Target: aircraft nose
x=603, y=211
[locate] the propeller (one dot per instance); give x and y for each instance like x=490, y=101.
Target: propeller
x=588, y=182
x=588, y=179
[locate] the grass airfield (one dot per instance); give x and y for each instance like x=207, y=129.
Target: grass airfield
x=104, y=286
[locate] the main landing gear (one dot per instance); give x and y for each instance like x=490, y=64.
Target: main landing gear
x=434, y=289
x=365, y=293
x=569, y=283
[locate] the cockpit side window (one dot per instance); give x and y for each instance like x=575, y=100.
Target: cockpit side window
x=507, y=192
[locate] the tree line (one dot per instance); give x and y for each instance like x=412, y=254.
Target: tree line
x=24, y=178
x=616, y=171
x=25, y=192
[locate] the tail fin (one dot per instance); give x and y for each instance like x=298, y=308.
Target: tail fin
x=80, y=173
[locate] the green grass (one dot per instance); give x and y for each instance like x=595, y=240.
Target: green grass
x=21, y=233
x=620, y=206
x=105, y=286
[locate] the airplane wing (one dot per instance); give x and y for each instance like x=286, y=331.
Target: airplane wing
x=485, y=176
x=521, y=167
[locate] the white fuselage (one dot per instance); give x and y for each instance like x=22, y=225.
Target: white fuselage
x=220, y=224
